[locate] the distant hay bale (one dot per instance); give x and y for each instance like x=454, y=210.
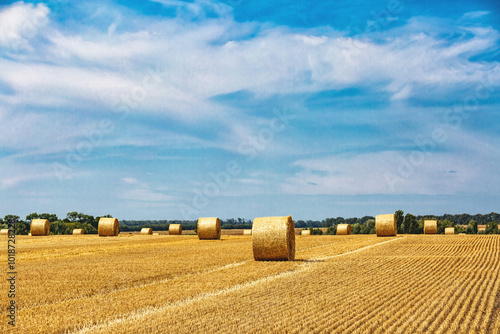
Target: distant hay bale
x=147, y=230
x=176, y=229
x=40, y=227
x=273, y=238
x=5, y=231
x=430, y=226
x=247, y=232
x=78, y=231
x=449, y=230
x=305, y=232
x=385, y=225
x=208, y=228
x=344, y=229
x=156, y=233
x=108, y=227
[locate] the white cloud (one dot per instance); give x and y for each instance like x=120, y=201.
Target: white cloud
x=468, y=169
x=20, y=22
x=140, y=191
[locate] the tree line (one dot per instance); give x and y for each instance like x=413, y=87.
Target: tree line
x=406, y=223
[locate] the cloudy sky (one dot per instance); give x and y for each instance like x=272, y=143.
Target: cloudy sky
x=170, y=109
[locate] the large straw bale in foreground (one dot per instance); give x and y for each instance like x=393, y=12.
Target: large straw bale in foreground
x=344, y=229
x=273, y=238
x=305, y=232
x=208, y=228
x=40, y=227
x=430, y=226
x=247, y=232
x=78, y=231
x=385, y=225
x=108, y=227
x=449, y=230
x=147, y=230
x=175, y=229
x=5, y=231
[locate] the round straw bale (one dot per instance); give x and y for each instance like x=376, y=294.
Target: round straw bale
x=344, y=229
x=40, y=227
x=305, y=232
x=78, y=231
x=247, y=232
x=430, y=226
x=147, y=230
x=108, y=227
x=385, y=225
x=208, y=228
x=5, y=231
x=449, y=230
x=273, y=238
x=175, y=229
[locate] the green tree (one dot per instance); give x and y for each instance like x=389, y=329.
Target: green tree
x=410, y=224
x=472, y=227
x=399, y=220
x=332, y=230
x=355, y=228
x=492, y=228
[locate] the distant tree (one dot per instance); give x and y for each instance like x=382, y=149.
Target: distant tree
x=58, y=227
x=410, y=224
x=355, y=228
x=492, y=228
x=332, y=230
x=399, y=220
x=442, y=224
x=472, y=227
x=369, y=227
x=316, y=231
x=328, y=222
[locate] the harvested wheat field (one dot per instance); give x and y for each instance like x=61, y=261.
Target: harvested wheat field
x=179, y=284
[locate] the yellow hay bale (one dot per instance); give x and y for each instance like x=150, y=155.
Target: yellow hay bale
x=108, y=227
x=176, y=229
x=430, y=226
x=344, y=229
x=5, y=231
x=247, y=232
x=156, y=233
x=208, y=228
x=147, y=230
x=449, y=230
x=40, y=227
x=78, y=231
x=385, y=225
x=305, y=232
x=273, y=238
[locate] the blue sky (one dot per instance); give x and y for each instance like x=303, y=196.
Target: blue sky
x=173, y=109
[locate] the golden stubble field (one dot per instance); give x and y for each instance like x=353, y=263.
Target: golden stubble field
x=179, y=284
